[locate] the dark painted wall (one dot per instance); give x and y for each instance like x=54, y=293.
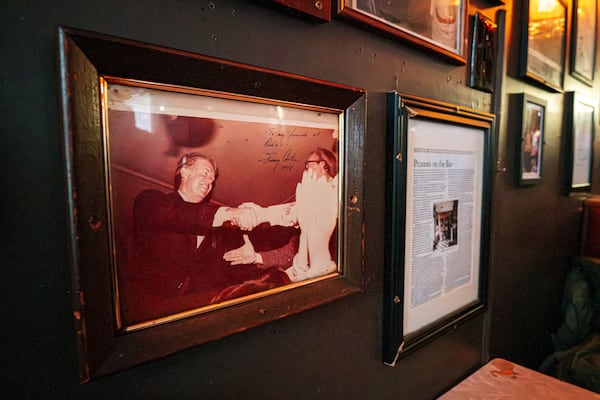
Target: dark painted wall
x=537, y=228
x=332, y=352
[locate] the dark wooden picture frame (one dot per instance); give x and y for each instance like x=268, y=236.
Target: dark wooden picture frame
x=99, y=76
x=439, y=27
x=543, y=43
x=318, y=9
x=530, y=145
x=580, y=114
x=483, y=53
x=583, y=40
x=437, y=205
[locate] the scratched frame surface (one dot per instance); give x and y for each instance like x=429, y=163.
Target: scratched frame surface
x=91, y=65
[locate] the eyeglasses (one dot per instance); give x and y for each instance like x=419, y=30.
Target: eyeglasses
x=307, y=162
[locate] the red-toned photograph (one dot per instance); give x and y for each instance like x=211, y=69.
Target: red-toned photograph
x=216, y=198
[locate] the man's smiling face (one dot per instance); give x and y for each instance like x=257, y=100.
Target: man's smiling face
x=197, y=181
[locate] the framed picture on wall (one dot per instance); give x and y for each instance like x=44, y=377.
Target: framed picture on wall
x=320, y=9
x=483, y=53
x=437, y=212
x=197, y=188
x=530, y=146
x=438, y=25
x=583, y=40
x=579, y=124
x=543, y=42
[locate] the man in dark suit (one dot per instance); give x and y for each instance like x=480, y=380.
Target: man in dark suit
x=180, y=239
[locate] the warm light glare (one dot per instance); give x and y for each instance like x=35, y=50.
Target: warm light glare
x=546, y=19
x=547, y=6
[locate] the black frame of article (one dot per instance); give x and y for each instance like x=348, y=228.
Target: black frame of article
x=401, y=108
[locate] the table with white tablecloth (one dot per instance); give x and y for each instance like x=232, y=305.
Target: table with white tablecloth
x=502, y=379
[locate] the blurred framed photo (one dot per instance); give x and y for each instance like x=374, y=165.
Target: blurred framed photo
x=583, y=40
x=580, y=117
x=543, y=42
x=483, y=53
x=205, y=198
x=438, y=26
x=530, y=145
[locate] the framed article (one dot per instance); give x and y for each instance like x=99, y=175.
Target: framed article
x=438, y=171
x=583, y=40
x=438, y=26
x=483, y=53
x=205, y=197
x=530, y=145
x=543, y=42
x=579, y=125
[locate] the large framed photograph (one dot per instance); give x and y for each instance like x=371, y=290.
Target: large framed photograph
x=438, y=174
x=530, y=146
x=205, y=197
x=579, y=125
x=583, y=40
x=543, y=42
x=438, y=25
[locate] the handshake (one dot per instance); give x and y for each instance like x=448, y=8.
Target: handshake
x=314, y=212
x=249, y=215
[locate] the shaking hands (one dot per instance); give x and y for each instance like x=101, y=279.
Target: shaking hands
x=244, y=217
